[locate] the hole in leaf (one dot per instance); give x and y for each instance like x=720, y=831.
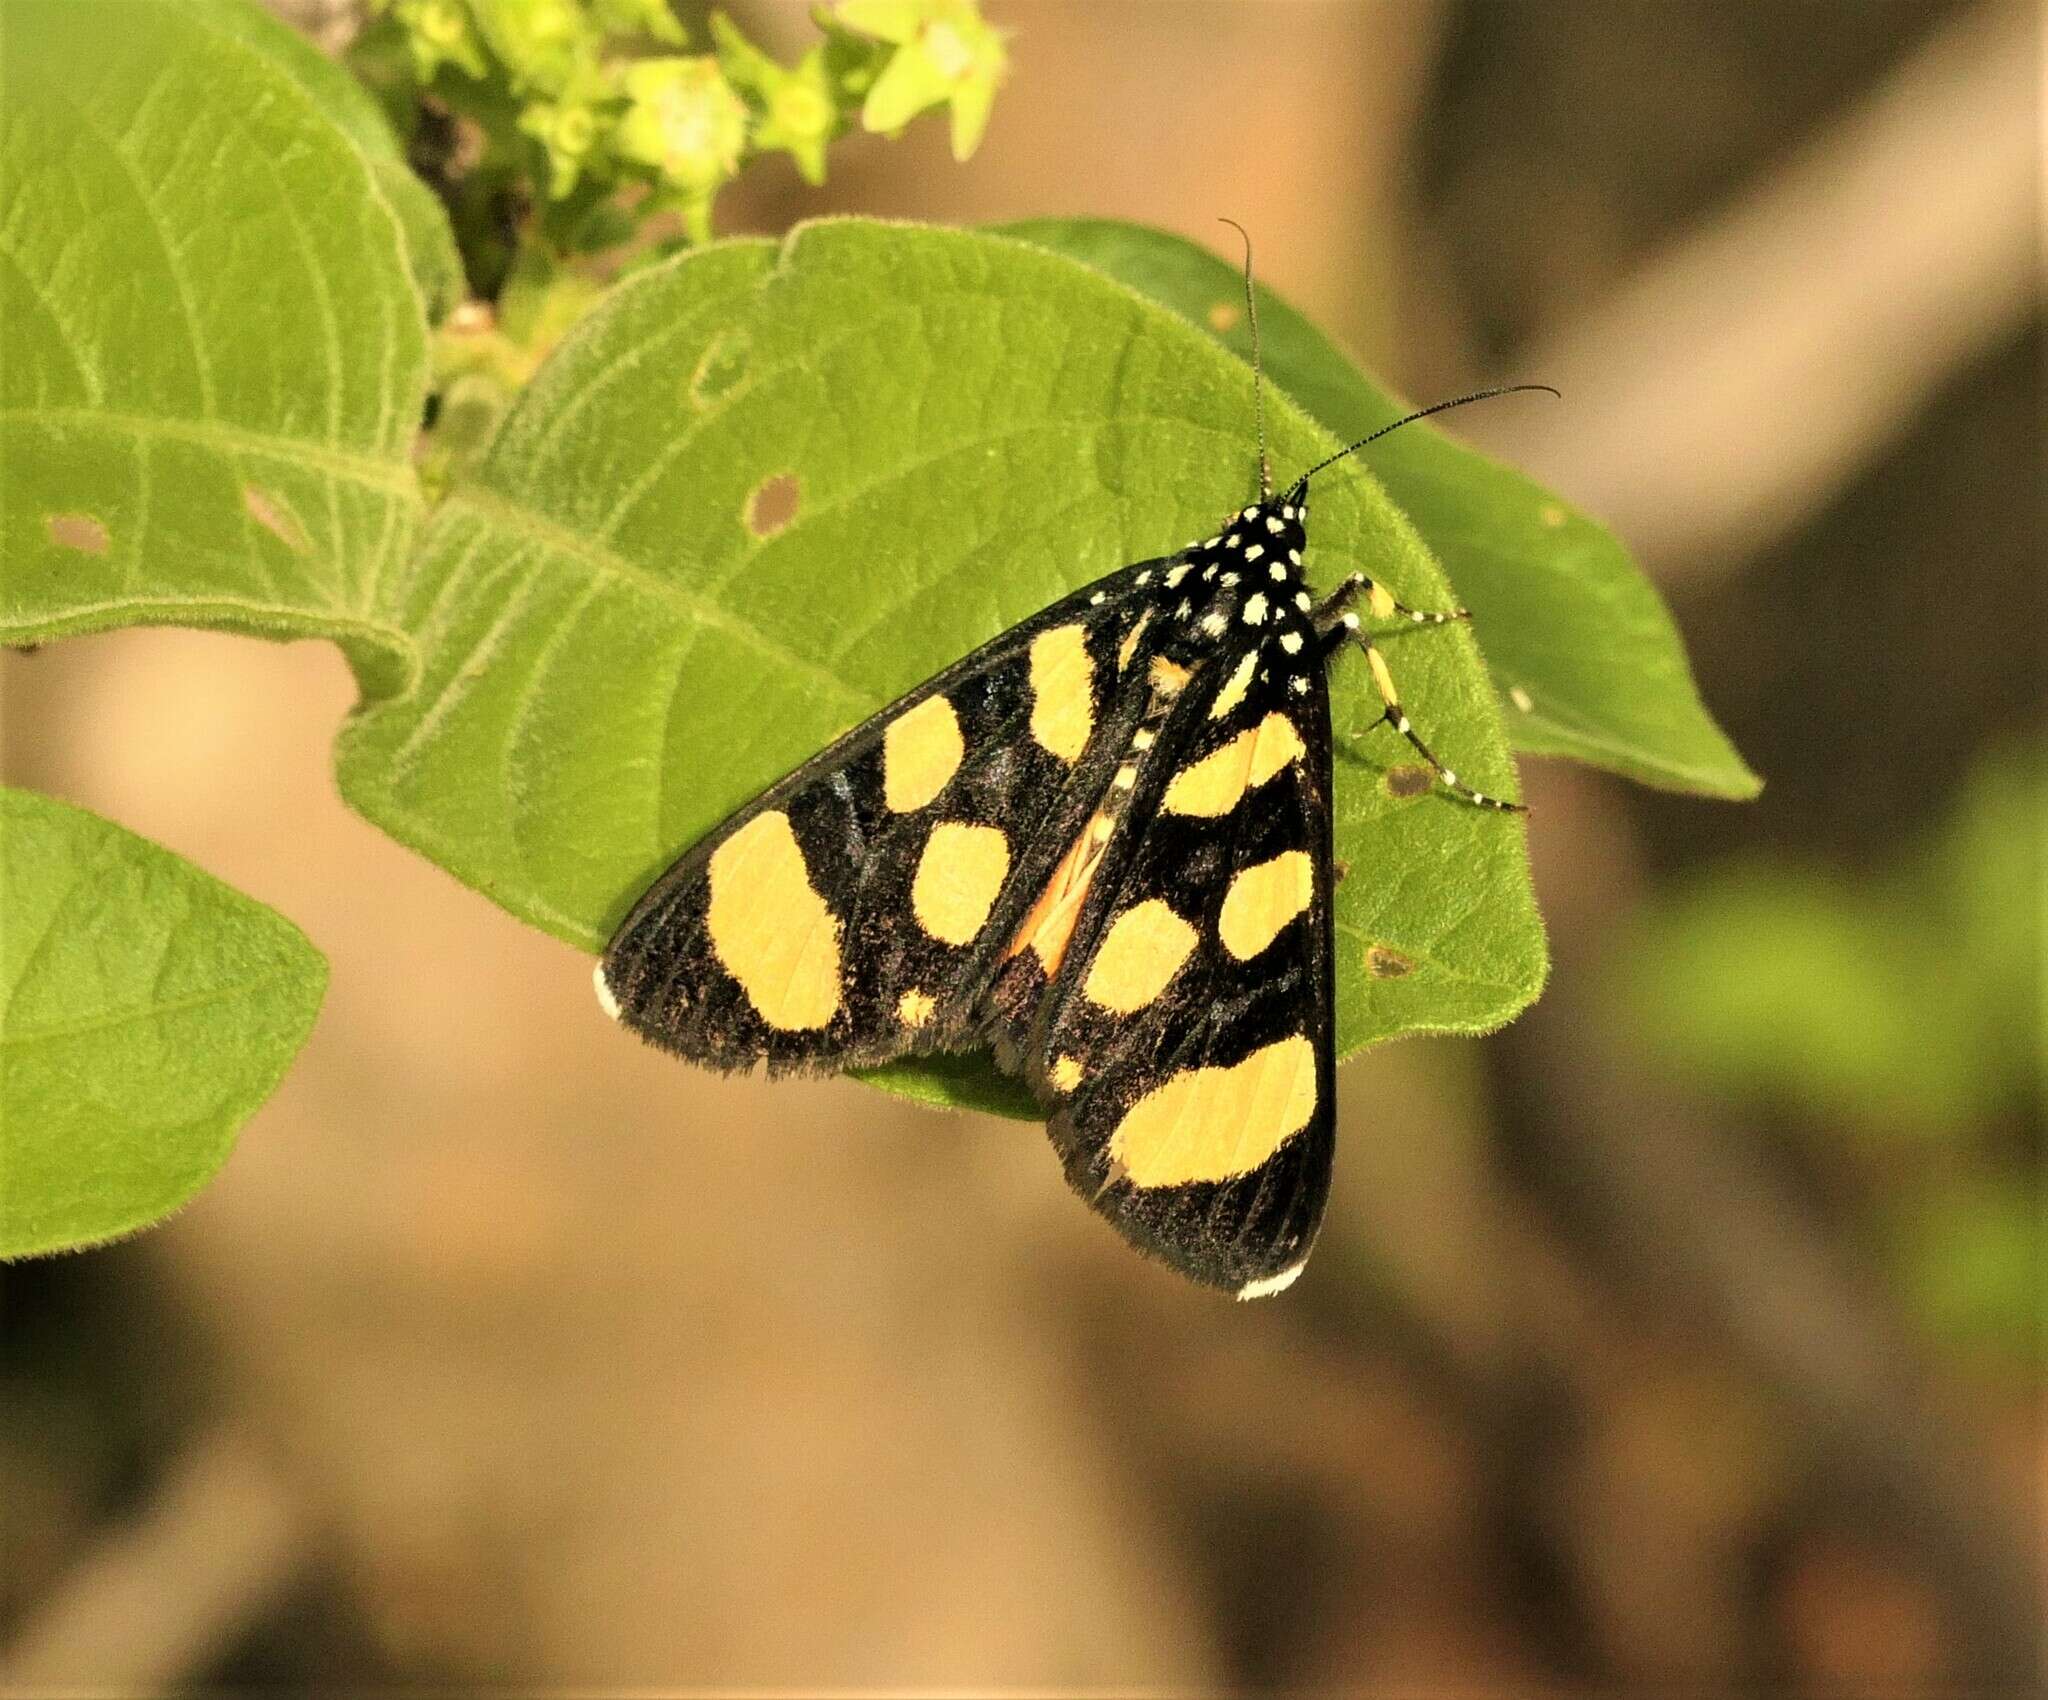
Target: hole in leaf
x=1386, y=963
x=1410, y=779
x=773, y=504
x=1223, y=317
x=1521, y=698
x=270, y=513
x=79, y=531
x=722, y=368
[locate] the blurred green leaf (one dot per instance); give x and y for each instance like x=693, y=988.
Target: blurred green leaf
x=1970, y=1262
x=145, y=1011
x=1909, y=1001
x=346, y=104
x=1986, y=877
x=615, y=655
x=1568, y=622
x=1770, y=980
x=212, y=347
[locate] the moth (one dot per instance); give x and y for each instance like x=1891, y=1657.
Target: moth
x=1099, y=847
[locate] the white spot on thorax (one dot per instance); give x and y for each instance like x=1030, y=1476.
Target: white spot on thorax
x=1298, y=685
x=1255, y=608
x=1302, y=601
x=1255, y=551
x=1291, y=642
x=1272, y=524
x=1213, y=624
x=1277, y=573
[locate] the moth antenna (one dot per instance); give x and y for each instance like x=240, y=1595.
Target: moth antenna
x=1251, y=308
x=1424, y=413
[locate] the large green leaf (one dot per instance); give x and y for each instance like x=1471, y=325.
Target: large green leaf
x=430, y=242
x=145, y=1011
x=1570, y=626
x=613, y=659
x=214, y=340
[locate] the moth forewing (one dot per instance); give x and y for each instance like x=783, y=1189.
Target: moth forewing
x=1187, y=1044
x=849, y=914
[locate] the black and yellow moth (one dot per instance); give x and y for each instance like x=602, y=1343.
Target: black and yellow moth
x=1098, y=846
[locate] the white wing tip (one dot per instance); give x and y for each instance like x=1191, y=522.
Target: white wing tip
x=1267, y=1285
x=605, y=1000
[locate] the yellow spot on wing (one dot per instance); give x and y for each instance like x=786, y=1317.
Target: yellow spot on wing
x=1274, y=745
x=1208, y=1124
x=1140, y=953
x=1262, y=900
x=774, y=934
x=1129, y=646
x=1049, y=923
x=958, y=876
x=1234, y=687
x=914, y=1008
x=921, y=750
x=1213, y=785
x=1062, y=691
x=1066, y=1074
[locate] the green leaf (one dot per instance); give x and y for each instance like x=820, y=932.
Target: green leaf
x=145, y=1011
x=212, y=340
x=1569, y=624
x=613, y=658
x=1969, y=1255
x=429, y=241
x=1767, y=979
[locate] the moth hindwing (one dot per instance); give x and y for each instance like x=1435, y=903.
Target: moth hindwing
x=1099, y=846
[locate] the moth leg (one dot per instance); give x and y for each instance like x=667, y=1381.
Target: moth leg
x=1382, y=603
x=1346, y=627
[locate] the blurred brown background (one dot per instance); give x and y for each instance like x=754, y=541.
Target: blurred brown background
x=1680, y=1335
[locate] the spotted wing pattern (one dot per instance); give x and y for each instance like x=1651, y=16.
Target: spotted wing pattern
x=1100, y=847
x=845, y=916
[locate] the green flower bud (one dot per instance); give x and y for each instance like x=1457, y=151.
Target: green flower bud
x=684, y=120
x=945, y=53
x=544, y=43
x=437, y=33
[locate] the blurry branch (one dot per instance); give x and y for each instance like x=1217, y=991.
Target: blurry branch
x=155, y=1600
x=1736, y=381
